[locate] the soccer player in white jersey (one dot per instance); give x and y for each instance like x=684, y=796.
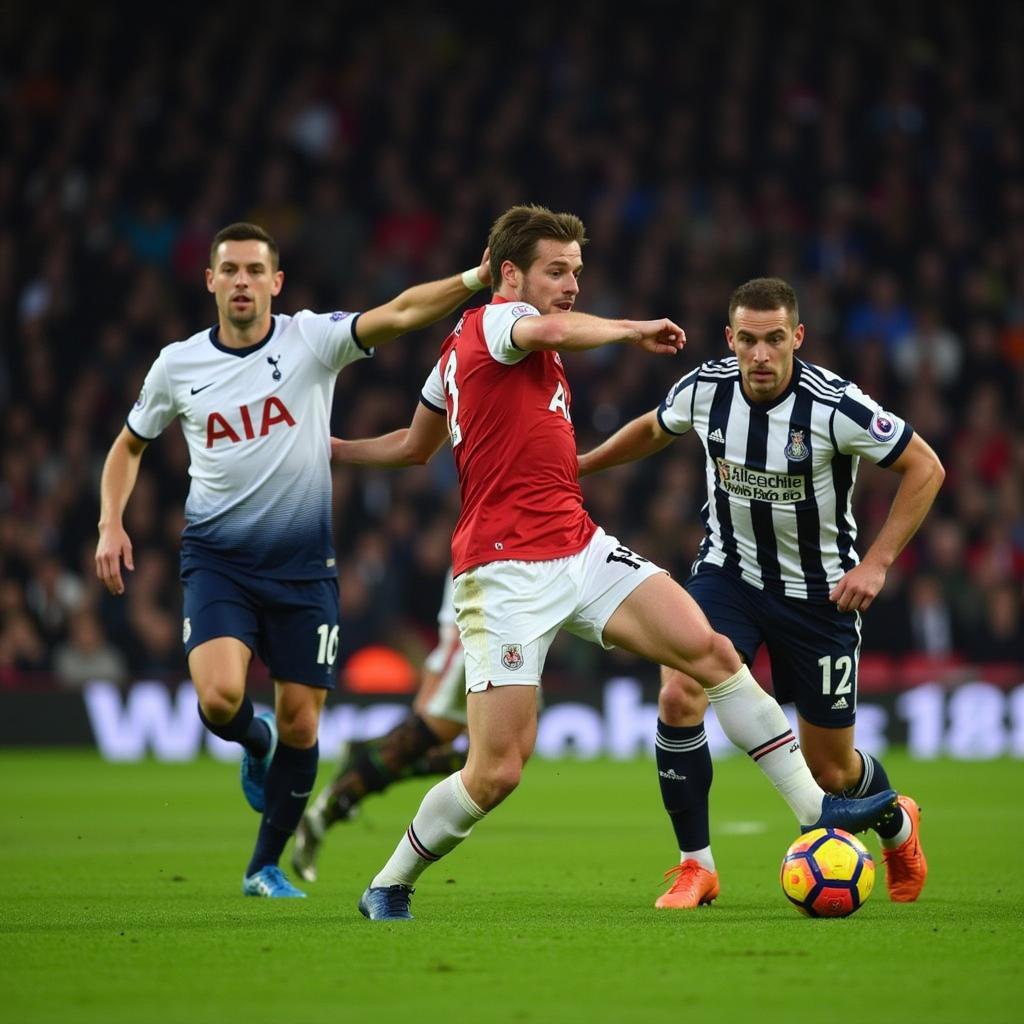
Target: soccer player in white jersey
x=253, y=397
x=529, y=561
x=783, y=439
x=418, y=745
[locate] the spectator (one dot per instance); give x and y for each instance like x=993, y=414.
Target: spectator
x=1001, y=637
x=929, y=351
x=931, y=618
x=87, y=655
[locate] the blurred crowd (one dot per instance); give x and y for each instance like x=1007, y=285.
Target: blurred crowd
x=871, y=154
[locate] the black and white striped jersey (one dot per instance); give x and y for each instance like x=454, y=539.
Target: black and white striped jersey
x=780, y=474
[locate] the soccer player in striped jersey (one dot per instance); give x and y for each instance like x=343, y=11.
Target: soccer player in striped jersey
x=783, y=439
x=253, y=397
x=529, y=561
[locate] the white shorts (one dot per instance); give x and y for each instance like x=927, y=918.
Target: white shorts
x=509, y=612
x=448, y=662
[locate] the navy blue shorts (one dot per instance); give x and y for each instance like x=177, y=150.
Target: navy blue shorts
x=813, y=646
x=292, y=625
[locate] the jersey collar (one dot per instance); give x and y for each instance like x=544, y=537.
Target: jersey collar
x=241, y=352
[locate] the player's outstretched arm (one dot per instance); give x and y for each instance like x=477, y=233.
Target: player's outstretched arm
x=576, y=332
x=421, y=305
x=413, y=445
x=636, y=440
x=922, y=474
x=120, y=471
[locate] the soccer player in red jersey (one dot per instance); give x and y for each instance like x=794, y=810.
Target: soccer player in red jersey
x=528, y=559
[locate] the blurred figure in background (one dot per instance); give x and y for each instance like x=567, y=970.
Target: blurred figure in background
x=418, y=746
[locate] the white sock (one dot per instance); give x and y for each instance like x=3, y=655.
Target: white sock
x=446, y=816
x=702, y=857
x=755, y=723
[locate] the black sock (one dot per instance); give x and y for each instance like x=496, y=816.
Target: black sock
x=244, y=728
x=383, y=760
x=290, y=780
x=873, y=779
x=684, y=773
x=443, y=760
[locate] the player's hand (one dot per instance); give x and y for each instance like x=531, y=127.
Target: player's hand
x=662, y=337
x=858, y=588
x=114, y=546
x=484, y=270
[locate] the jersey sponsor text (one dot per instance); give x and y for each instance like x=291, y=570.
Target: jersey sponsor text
x=760, y=485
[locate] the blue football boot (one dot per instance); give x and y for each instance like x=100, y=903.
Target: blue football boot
x=386, y=903
x=271, y=882
x=254, y=769
x=855, y=815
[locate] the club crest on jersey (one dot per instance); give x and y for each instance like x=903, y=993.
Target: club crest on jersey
x=882, y=427
x=335, y=317
x=512, y=656
x=273, y=362
x=796, y=450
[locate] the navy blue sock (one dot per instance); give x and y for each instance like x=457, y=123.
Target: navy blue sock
x=873, y=779
x=290, y=780
x=684, y=773
x=244, y=728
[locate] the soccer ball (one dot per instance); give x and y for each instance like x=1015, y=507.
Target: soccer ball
x=827, y=873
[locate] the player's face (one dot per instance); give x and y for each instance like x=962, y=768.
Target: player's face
x=552, y=281
x=244, y=281
x=764, y=341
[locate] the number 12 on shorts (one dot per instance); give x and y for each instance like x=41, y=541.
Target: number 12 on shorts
x=843, y=669
x=328, y=649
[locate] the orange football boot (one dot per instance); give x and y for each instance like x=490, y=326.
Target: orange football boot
x=905, y=866
x=693, y=886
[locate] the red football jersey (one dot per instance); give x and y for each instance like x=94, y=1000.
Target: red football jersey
x=513, y=442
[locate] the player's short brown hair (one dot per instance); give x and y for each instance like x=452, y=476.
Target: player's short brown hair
x=242, y=231
x=766, y=293
x=515, y=234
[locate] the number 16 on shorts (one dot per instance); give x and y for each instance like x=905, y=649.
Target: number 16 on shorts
x=327, y=644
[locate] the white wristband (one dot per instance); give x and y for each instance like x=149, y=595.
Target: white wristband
x=471, y=279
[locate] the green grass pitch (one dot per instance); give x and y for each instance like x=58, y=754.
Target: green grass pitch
x=121, y=902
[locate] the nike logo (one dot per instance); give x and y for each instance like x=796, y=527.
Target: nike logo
x=195, y=391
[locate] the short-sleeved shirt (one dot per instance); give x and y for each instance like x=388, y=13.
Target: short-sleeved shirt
x=780, y=474
x=513, y=442
x=257, y=424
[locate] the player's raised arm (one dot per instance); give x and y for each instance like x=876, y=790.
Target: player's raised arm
x=120, y=471
x=413, y=445
x=636, y=440
x=421, y=305
x=922, y=474
x=575, y=332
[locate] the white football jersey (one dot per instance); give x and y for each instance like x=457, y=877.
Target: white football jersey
x=257, y=424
